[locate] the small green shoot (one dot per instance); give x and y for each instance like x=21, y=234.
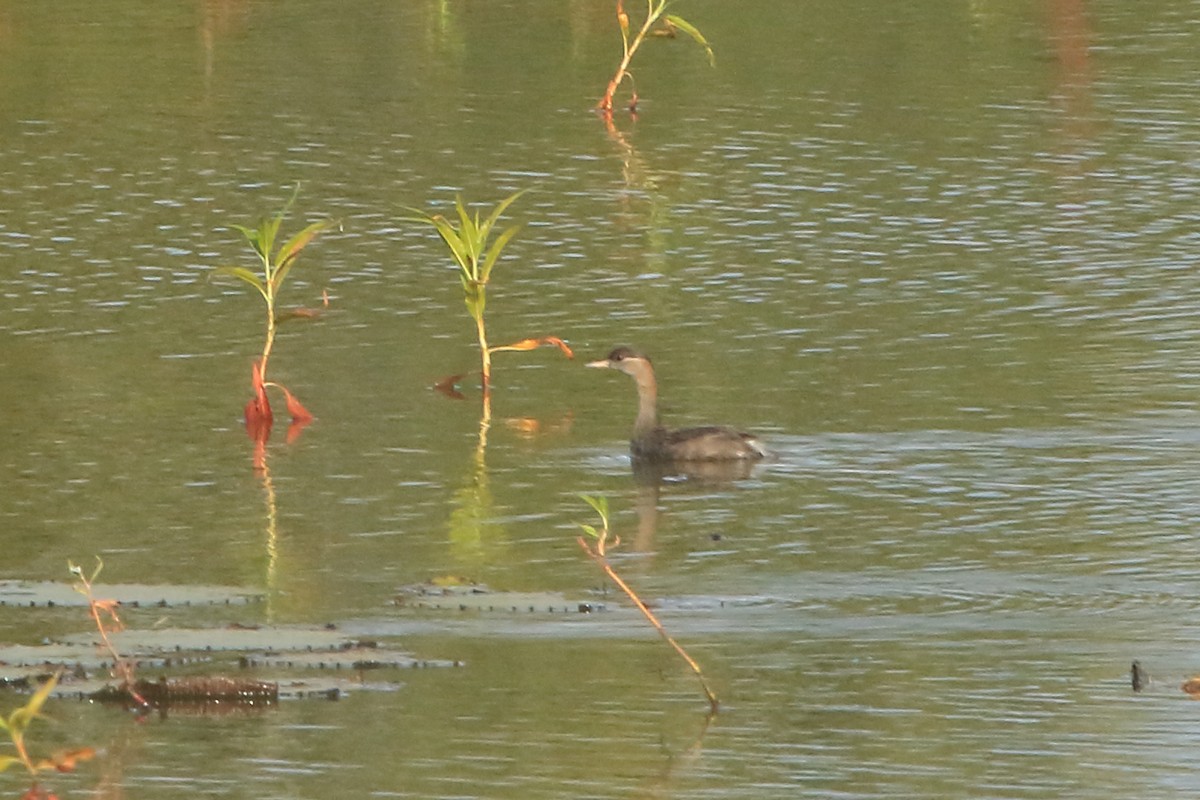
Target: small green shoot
x=597, y=550
x=476, y=253
x=17, y=724
x=276, y=265
x=655, y=13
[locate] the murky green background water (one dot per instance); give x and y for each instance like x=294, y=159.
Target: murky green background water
x=942, y=255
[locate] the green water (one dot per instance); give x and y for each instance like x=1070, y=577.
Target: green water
x=940, y=255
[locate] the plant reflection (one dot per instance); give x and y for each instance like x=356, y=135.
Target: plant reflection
x=473, y=503
x=662, y=785
x=271, y=575
x=1071, y=37
x=219, y=18
x=633, y=166
x=472, y=526
x=118, y=755
x=641, y=182
x=259, y=431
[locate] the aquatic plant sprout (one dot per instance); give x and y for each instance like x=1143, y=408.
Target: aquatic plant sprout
x=104, y=615
x=655, y=13
x=475, y=252
x=17, y=724
x=276, y=264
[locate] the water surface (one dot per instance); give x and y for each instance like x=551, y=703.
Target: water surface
x=939, y=255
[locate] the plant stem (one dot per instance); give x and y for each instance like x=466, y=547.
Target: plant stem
x=270, y=298
x=270, y=342
x=652, y=15
x=18, y=740
x=122, y=668
x=485, y=355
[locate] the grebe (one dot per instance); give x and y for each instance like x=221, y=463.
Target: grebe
x=653, y=442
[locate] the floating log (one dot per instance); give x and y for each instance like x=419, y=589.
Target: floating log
x=195, y=690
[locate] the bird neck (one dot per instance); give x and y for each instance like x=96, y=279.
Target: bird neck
x=647, y=417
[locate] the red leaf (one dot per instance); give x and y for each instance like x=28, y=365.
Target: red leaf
x=295, y=408
x=256, y=383
x=258, y=419
x=258, y=411
x=65, y=760
x=301, y=417
x=534, y=343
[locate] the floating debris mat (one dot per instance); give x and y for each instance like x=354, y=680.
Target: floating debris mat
x=207, y=695
x=477, y=597
x=48, y=594
x=195, y=690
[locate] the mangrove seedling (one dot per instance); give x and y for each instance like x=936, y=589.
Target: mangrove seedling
x=17, y=724
x=596, y=544
x=276, y=265
x=476, y=254
x=668, y=25
x=104, y=615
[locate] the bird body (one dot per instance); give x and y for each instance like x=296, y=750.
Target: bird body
x=653, y=442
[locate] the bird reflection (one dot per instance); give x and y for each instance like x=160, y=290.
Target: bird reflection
x=652, y=475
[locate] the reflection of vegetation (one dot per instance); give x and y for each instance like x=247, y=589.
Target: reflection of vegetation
x=271, y=579
x=655, y=12
x=473, y=502
x=597, y=550
x=276, y=266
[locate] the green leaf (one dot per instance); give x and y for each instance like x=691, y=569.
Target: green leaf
x=589, y=530
x=450, y=236
x=8, y=761
x=289, y=252
x=458, y=247
x=251, y=234
x=298, y=242
x=291, y=200
x=599, y=504
x=268, y=229
x=246, y=275
x=469, y=235
x=694, y=32
x=494, y=252
x=20, y=719
x=499, y=209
